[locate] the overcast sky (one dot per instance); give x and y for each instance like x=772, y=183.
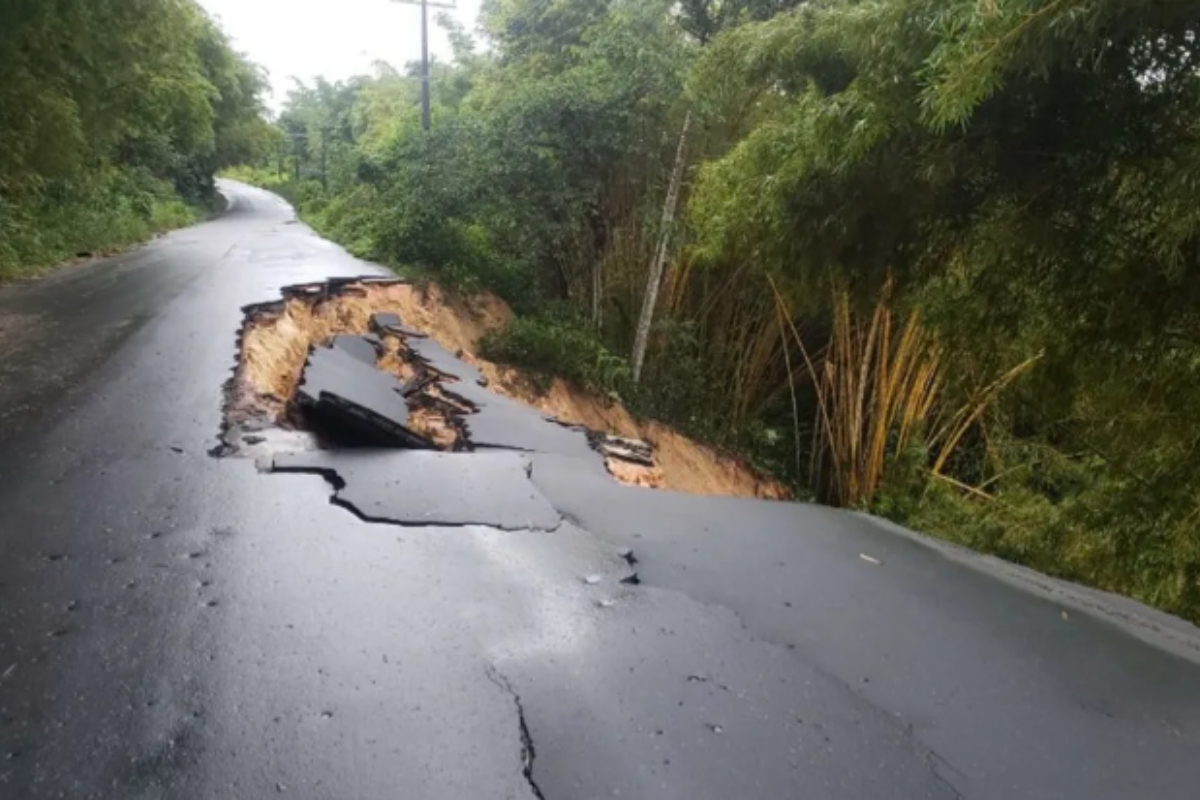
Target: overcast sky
x=333, y=38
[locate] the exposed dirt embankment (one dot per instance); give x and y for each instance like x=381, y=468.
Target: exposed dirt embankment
x=276, y=341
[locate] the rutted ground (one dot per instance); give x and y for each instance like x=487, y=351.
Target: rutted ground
x=277, y=337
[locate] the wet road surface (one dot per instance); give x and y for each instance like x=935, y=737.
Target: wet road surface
x=178, y=626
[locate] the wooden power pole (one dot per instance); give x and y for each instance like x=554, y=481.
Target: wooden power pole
x=426, y=103
x=296, y=153
x=325, y=158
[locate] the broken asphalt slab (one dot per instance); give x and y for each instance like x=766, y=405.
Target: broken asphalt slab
x=500, y=422
x=353, y=397
x=336, y=371
x=505, y=423
x=362, y=348
x=422, y=488
x=381, y=322
x=388, y=323
x=444, y=361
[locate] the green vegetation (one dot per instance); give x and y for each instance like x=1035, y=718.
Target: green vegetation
x=558, y=346
x=115, y=116
x=939, y=259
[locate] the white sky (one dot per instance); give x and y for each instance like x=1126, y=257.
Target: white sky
x=336, y=39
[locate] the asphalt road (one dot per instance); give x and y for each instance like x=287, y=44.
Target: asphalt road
x=174, y=625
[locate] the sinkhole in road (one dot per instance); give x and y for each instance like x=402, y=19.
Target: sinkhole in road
x=337, y=365
x=329, y=365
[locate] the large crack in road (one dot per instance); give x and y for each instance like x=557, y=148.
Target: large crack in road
x=528, y=751
x=334, y=365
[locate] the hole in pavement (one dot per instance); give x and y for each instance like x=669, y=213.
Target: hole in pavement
x=329, y=367
x=335, y=365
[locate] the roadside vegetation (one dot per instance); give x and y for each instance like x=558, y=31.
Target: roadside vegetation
x=936, y=259
x=115, y=114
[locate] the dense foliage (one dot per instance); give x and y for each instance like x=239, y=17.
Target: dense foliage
x=940, y=257
x=114, y=114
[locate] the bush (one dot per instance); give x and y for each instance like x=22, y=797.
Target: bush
x=108, y=210
x=550, y=345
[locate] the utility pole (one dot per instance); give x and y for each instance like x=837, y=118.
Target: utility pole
x=325, y=158
x=426, y=103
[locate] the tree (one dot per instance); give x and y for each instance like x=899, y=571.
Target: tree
x=704, y=19
x=101, y=101
x=1024, y=171
x=670, y=206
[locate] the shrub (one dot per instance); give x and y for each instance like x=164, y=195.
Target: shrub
x=550, y=345
x=108, y=210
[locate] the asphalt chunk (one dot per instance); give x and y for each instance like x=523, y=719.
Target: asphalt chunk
x=444, y=361
x=424, y=488
x=381, y=322
x=353, y=401
x=505, y=423
x=363, y=348
x=499, y=422
x=339, y=372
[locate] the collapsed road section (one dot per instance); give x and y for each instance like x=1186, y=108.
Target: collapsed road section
x=334, y=365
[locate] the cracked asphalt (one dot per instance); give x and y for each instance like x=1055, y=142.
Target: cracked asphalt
x=178, y=626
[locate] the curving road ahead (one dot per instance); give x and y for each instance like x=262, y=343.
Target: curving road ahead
x=178, y=626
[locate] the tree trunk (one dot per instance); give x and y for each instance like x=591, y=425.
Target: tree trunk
x=650, y=300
